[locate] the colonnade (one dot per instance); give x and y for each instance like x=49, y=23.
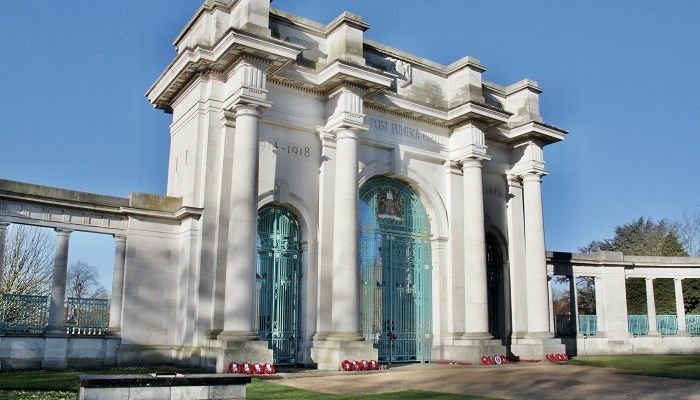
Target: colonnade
x=56, y=323
x=601, y=305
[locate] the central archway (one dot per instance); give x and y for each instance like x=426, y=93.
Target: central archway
x=395, y=271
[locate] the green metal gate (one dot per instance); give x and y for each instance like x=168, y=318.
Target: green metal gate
x=395, y=271
x=278, y=275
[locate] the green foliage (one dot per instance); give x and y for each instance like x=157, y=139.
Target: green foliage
x=35, y=395
x=671, y=247
x=665, y=296
x=636, y=291
x=585, y=295
x=670, y=366
x=642, y=237
x=691, y=295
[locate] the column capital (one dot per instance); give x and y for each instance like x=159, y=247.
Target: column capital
x=119, y=238
x=647, y=279
x=4, y=225
x=470, y=163
x=531, y=177
x=63, y=232
x=678, y=279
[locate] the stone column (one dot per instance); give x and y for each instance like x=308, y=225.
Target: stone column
x=573, y=305
x=3, y=234
x=57, y=323
x=680, y=306
x=117, y=301
x=239, y=308
x=346, y=278
x=651, y=307
x=476, y=295
x=550, y=294
x=536, y=263
x=599, y=306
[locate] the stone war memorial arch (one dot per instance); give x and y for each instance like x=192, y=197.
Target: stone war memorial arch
x=331, y=198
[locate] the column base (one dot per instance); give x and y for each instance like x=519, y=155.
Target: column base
x=329, y=353
x=471, y=350
x=536, y=348
x=240, y=347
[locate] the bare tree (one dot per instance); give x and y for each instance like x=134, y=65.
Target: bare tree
x=28, y=264
x=687, y=228
x=82, y=282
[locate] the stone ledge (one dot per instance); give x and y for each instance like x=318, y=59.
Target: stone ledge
x=146, y=380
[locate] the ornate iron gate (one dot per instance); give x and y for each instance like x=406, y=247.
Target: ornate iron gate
x=278, y=275
x=395, y=271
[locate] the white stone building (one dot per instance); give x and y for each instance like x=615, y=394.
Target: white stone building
x=329, y=198
x=347, y=138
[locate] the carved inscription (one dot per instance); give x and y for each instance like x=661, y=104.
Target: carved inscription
x=394, y=128
x=283, y=148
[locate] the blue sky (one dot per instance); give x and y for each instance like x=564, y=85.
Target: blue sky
x=622, y=76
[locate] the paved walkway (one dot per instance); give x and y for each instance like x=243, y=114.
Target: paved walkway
x=519, y=381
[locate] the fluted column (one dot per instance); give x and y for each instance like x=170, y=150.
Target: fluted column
x=117, y=301
x=535, y=259
x=651, y=306
x=476, y=293
x=239, y=308
x=58, y=288
x=3, y=234
x=680, y=306
x=346, y=277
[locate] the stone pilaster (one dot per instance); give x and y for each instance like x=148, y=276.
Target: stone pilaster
x=651, y=306
x=600, y=305
x=57, y=306
x=454, y=296
x=3, y=234
x=117, y=301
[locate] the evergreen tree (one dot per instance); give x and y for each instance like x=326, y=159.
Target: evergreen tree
x=671, y=247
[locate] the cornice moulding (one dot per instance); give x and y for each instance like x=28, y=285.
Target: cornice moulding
x=219, y=56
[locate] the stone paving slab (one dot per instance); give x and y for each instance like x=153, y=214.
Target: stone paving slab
x=520, y=381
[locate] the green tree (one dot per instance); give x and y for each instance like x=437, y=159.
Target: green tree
x=642, y=237
x=671, y=247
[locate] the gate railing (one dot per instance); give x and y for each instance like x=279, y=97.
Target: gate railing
x=562, y=326
x=667, y=324
x=23, y=313
x=86, y=316
x=693, y=324
x=588, y=325
x=638, y=324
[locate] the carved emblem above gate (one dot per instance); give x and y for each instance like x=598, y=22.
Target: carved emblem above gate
x=389, y=204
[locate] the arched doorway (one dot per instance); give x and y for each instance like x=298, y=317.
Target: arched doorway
x=496, y=278
x=278, y=275
x=395, y=271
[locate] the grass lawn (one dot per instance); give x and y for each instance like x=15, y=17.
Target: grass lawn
x=61, y=385
x=670, y=366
